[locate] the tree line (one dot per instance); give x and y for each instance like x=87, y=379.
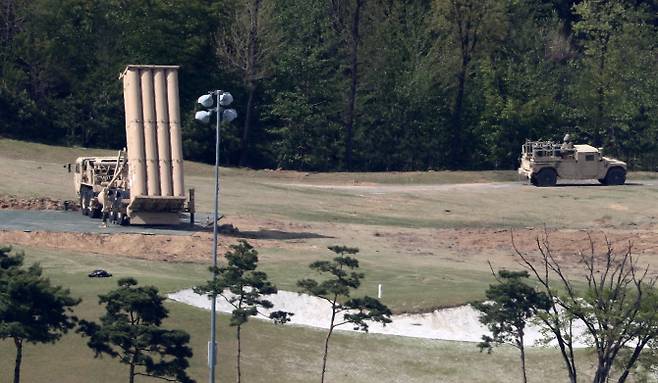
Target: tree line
x=322, y=85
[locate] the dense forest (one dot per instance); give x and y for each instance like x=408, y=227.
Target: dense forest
x=345, y=84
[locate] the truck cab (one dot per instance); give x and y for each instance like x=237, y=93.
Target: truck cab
x=94, y=177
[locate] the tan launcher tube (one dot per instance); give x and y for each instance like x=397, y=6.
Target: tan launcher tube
x=164, y=146
x=175, y=133
x=134, y=131
x=150, y=139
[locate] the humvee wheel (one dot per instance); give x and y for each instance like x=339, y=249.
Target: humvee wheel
x=113, y=217
x=615, y=176
x=96, y=213
x=546, y=177
x=533, y=180
x=83, y=206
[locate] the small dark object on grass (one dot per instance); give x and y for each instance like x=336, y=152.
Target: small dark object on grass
x=99, y=274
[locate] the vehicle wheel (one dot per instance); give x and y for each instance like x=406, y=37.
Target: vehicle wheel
x=83, y=209
x=96, y=213
x=124, y=220
x=602, y=181
x=615, y=176
x=546, y=177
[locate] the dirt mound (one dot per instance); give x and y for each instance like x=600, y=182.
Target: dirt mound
x=562, y=242
x=191, y=248
x=470, y=245
x=41, y=203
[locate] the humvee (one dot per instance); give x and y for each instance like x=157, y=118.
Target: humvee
x=543, y=162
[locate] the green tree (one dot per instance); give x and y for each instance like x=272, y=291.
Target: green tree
x=303, y=113
x=403, y=119
x=339, y=279
x=599, y=24
x=10, y=261
x=131, y=330
x=615, y=86
x=243, y=287
x=468, y=25
x=510, y=304
x=31, y=309
x=523, y=83
x=346, y=22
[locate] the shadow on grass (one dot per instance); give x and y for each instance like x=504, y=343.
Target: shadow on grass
x=229, y=230
x=275, y=235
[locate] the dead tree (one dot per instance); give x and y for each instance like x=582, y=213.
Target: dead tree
x=617, y=305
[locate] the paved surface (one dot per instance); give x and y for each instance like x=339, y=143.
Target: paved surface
x=67, y=221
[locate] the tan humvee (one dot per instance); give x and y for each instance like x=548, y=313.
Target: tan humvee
x=543, y=162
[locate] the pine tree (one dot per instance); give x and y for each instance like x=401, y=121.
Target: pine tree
x=31, y=309
x=339, y=278
x=130, y=330
x=243, y=287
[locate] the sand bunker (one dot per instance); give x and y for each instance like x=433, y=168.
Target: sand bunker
x=456, y=324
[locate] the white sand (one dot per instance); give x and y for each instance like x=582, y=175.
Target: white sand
x=457, y=324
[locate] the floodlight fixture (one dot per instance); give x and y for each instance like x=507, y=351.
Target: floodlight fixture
x=229, y=115
x=206, y=100
x=225, y=99
x=203, y=116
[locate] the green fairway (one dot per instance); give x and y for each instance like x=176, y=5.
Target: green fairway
x=271, y=353
x=410, y=284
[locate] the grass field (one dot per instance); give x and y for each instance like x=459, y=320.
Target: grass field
x=391, y=217
x=271, y=353
x=422, y=234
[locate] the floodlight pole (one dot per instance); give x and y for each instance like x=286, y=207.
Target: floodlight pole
x=212, y=349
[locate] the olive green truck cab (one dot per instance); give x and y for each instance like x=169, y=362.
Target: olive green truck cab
x=543, y=162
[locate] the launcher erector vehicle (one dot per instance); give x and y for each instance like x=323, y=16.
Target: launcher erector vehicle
x=144, y=183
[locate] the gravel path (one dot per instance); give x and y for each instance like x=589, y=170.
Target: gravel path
x=418, y=188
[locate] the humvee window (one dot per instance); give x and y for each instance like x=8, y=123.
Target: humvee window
x=589, y=157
